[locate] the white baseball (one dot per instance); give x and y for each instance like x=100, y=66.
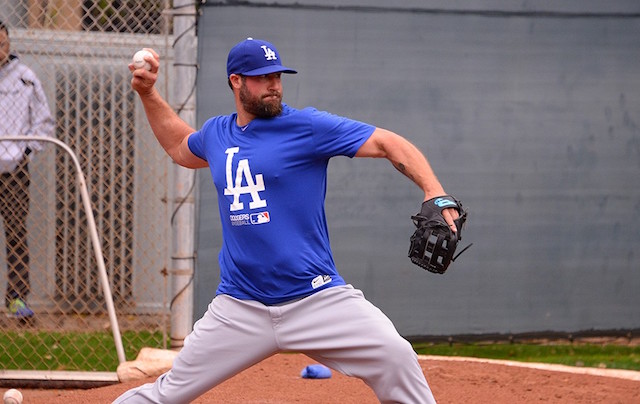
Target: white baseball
x=138, y=59
x=12, y=396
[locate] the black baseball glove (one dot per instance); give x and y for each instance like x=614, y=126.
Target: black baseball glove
x=433, y=244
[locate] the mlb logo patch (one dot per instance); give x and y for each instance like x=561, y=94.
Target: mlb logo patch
x=260, y=218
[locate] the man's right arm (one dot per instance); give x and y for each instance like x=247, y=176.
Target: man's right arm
x=171, y=131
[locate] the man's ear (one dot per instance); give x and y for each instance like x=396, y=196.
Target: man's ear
x=235, y=81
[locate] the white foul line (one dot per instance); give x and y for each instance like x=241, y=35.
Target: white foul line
x=619, y=373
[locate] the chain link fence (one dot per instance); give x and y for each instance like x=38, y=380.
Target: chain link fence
x=79, y=51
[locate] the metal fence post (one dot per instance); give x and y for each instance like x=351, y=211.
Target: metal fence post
x=183, y=218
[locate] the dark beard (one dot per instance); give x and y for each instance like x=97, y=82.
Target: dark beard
x=258, y=107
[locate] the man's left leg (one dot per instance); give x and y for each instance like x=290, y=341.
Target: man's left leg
x=341, y=329
x=15, y=209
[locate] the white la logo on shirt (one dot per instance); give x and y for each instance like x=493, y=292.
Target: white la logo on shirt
x=268, y=53
x=236, y=188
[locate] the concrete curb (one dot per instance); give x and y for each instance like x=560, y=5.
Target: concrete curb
x=56, y=379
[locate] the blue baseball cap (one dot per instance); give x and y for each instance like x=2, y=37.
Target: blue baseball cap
x=254, y=57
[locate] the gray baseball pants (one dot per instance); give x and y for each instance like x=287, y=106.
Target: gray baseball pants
x=337, y=327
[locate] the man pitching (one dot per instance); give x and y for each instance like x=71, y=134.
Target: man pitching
x=279, y=288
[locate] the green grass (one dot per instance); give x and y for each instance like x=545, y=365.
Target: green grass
x=95, y=351
x=587, y=355
x=91, y=351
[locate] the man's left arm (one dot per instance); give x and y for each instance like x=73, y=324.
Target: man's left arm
x=410, y=161
x=42, y=123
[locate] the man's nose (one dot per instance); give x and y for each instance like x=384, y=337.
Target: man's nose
x=274, y=83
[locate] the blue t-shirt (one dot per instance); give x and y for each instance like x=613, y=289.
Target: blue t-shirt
x=271, y=178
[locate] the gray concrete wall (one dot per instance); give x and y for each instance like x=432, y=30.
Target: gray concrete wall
x=529, y=116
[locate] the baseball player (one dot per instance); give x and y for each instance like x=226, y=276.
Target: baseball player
x=279, y=288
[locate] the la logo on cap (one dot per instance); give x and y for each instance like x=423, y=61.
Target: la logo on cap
x=268, y=53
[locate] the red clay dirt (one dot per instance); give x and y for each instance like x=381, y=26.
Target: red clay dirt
x=277, y=380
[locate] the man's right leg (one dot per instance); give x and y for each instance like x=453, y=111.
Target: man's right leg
x=231, y=336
